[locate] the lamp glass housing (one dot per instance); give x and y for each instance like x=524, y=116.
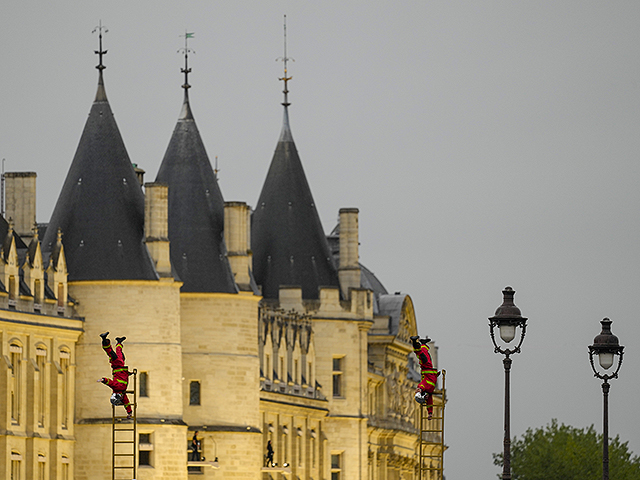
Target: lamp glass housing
x=507, y=332
x=605, y=359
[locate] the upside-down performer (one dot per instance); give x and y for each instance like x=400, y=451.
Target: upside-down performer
x=120, y=373
x=427, y=385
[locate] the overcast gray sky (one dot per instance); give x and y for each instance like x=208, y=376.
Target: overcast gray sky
x=486, y=144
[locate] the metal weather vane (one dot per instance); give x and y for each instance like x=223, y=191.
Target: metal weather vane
x=100, y=28
x=284, y=60
x=186, y=50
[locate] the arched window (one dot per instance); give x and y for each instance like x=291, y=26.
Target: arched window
x=194, y=392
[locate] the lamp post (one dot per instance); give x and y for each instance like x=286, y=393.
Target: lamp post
x=507, y=318
x=606, y=347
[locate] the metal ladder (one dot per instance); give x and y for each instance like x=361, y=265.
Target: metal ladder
x=432, y=447
x=124, y=438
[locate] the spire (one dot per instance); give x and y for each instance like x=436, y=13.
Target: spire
x=285, y=135
x=101, y=95
x=196, y=205
x=101, y=205
x=288, y=242
x=186, y=109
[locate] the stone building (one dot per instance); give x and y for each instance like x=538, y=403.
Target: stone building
x=246, y=325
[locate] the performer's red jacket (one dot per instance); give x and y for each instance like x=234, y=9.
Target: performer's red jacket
x=428, y=373
x=120, y=373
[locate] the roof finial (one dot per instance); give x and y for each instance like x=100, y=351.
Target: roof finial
x=186, y=50
x=285, y=59
x=100, y=52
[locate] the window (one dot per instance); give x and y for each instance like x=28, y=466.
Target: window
x=295, y=372
x=281, y=373
x=145, y=449
x=16, y=382
x=37, y=295
x=64, y=380
x=194, y=393
x=338, y=366
x=60, y=295
x=310, y=374
x=312, y=447
x=336, y=466
x=144, y=384
x=41, y=358
x=42, y=466
x=65, y=468
x=16, y=459
x=12, y=287
x=267, y=370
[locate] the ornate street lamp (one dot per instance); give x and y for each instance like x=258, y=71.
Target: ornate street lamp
x=606, y=347
x=507, y=318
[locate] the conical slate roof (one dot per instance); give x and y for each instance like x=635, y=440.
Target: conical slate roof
x=288, y=242
x=100, y=209
x=196, y=211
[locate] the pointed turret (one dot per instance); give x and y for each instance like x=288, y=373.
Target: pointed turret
x=196, y=207
x=100, y=209
x=288, y=241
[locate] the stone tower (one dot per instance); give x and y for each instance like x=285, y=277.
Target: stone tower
x=218, y=316
x=100, y=212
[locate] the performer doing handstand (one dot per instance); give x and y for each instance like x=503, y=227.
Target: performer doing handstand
x=120, y=373
x=424, y=392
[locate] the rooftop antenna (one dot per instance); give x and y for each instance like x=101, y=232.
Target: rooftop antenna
x=285, y=59
x=186, y=50
x=100, y=28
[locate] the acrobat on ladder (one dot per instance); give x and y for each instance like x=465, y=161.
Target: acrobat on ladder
x=120, y=373
x=431, y=427
x=124, y=433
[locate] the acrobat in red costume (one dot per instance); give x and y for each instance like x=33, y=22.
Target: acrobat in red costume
x=427, y=385
x=120, y=373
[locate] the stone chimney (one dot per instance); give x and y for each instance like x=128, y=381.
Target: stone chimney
x=20, y=196
x=237, y=237
x=156, y=226
x=349, y=268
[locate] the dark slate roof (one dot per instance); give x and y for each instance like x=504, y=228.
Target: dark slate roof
x=391, y=305
x=196, y=211
x=288, y=242
x=100, y=209
x=4, y=230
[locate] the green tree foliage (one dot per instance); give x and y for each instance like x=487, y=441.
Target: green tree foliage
x=562, y=452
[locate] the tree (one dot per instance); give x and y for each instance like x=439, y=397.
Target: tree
x=567, y=453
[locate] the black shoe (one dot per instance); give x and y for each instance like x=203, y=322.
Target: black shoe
x=120, y=339
x=104, y=335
